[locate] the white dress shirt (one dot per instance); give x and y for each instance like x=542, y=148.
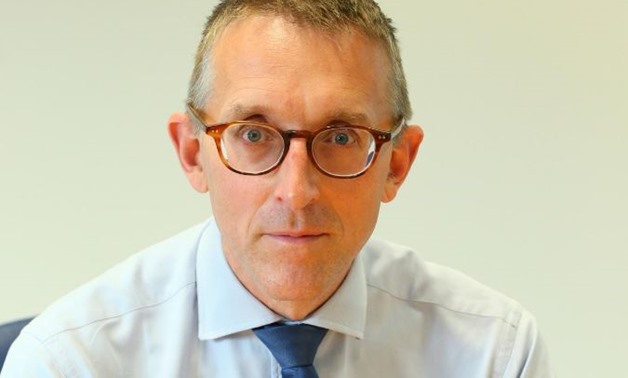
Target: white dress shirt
x=177, y=310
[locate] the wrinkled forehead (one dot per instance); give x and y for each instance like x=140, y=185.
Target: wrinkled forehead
x=268, y=58
x=274, y=30
x=333, y=31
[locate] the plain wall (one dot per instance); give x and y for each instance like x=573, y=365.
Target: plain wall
x=521, y=181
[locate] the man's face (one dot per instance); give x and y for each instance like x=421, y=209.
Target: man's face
x=291, y=235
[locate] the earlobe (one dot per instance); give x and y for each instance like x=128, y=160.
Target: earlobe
x=187, y=147
x=403, y=156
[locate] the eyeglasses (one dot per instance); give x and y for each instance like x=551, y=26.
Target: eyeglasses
x=255, y=148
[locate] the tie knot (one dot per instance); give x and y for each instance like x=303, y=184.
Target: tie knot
x=293, y=346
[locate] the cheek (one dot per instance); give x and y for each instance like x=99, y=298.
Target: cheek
x=366, y=200
x=234, y=205
x=358, y=206
x=233, y=197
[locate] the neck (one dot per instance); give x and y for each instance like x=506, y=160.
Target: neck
x=294, y=310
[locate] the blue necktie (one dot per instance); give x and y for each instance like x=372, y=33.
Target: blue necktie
x=293, y=346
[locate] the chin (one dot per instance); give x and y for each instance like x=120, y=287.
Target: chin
x=297, y=288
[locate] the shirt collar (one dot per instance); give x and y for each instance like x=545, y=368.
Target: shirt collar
x=345, y=311
x=226, y=307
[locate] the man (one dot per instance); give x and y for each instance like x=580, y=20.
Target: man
x=296, y=128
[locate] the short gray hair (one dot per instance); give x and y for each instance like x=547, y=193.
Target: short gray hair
x=326, y=15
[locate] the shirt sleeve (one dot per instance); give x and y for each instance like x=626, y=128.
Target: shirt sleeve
x=28, y=358
x=529, y=356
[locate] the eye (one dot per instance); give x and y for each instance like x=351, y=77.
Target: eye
x=341, y=137
x=255, y=134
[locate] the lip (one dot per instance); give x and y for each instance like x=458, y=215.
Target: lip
x=295, y=236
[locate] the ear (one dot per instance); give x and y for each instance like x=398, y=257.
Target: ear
x=403, y=155
x=188, y=149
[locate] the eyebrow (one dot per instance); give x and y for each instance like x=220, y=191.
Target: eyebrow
x=351, y=117
x=239, y=111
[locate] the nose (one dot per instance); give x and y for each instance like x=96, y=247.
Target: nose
x=297, y=178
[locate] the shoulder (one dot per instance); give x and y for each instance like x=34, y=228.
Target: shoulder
x=455, y=314
x=147, y=279
x=400, y=272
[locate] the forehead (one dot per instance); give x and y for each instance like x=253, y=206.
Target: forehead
x=272, y=63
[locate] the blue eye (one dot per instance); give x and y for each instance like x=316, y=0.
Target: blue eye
x=253, y=135
x=341, y=138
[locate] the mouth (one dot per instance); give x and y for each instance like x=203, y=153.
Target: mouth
x=295, y=237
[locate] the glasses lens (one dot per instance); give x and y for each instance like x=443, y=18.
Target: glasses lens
x=251, y=148
x=344, y=151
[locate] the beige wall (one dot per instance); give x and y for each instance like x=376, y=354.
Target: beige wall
x=521, y=182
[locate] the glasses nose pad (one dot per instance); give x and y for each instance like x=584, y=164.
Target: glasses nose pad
x=301, y=147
